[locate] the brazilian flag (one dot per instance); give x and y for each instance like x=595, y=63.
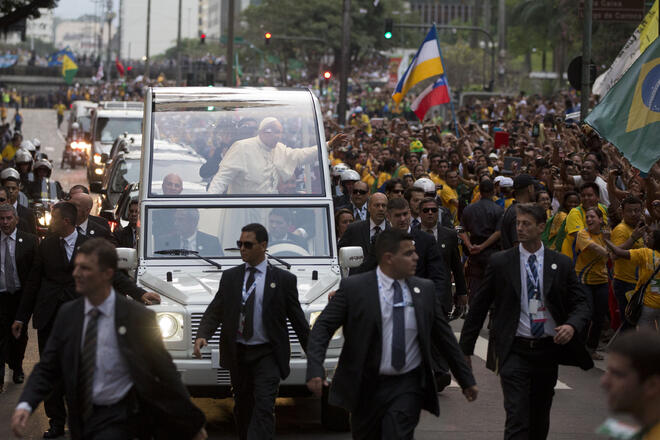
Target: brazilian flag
x=69, y=69
x=629, y=114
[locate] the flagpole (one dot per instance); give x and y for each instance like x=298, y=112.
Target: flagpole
x=451, y=99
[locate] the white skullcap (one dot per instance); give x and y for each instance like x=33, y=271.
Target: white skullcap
x=506, y=182
x=266, y=122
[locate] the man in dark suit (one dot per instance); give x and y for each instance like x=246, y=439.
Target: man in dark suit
x=23, y=225
x=447, y=241
x=12, y=184
x=17, y=252
x=120, y=381
x=363, y=233
x=252, y=305
x=358, y=202
x=280, y=228
x=539, y=311
x=389, y=318
x=127, y=237
x=50, y=284
x=186, y=235
x=85, y=224
x=77, y=189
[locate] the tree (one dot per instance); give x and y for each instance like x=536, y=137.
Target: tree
x=14, y=11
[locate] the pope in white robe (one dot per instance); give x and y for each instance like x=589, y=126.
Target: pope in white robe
x=256, y=165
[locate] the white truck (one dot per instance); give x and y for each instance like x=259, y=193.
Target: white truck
x=302, y=239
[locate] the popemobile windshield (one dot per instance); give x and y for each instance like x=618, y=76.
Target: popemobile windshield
x=264, y=160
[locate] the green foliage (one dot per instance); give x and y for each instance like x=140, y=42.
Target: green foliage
x=14, y=11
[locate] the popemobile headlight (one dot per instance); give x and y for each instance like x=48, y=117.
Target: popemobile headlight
x=171, y=326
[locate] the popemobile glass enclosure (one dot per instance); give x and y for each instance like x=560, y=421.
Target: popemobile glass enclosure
x=214, y=160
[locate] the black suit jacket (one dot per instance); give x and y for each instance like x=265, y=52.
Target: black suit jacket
x=446, y=219
x=207, y=245
x=97, y=227
x=50, y=283
x=26, y=250
x=448, y=246
x=124, y=237
x=165, y=405
x=358, y=234
x=356, y=308
x=564, y=297
x=279, y=303
x=27, y=218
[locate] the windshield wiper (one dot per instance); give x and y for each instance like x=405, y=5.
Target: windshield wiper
x=279, y=260
x=187, y=252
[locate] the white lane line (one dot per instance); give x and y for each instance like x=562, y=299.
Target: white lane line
x=481, y=351
x=59, y=133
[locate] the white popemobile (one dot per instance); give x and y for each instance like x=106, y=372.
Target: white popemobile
x=188, y=231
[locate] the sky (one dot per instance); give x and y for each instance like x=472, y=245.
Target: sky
x=76, y=8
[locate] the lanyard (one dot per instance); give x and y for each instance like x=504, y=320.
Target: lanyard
x=535, y=279
x=245, y=294
x=404, y=303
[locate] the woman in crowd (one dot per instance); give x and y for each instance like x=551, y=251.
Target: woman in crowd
x=343, y=217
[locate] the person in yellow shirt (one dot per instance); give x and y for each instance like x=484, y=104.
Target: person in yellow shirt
x=60, y=108
x=646, y=260
x=551, y=236
x=10, y=149
x=439, y=167
x=449, y=196
x=632, y=380
x=576, y=221
x=591, y=269
x=361, y=120
x=627, y=235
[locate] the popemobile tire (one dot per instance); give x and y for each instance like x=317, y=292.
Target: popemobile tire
x=334, y=418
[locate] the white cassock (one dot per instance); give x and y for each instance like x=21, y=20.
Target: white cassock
x=250, y=167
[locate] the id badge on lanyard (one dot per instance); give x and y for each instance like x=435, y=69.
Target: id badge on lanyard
x=536, y=306
x=244, y=297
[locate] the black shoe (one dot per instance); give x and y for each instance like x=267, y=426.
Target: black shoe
x=442, y=380
x=54, y=433
x=18, y=377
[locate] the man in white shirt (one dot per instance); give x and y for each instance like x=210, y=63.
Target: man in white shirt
x=589, y=173
x=258, y=165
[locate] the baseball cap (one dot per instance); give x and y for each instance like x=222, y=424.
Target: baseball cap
x=416, y=146
x=522, y=181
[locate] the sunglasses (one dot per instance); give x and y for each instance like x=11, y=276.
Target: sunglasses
x=360, y=191
x=2, y=199
x=246, y=244
x=427, y=210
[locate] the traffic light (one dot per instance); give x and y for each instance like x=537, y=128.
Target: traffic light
x=389, y=25
x=267, y=37
x=202, y=38
x=327, y=75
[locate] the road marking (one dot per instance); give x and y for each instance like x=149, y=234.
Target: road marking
x=49, y=148
x=481, y=351
x=59, y=133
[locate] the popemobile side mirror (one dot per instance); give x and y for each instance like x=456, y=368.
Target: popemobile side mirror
x=349, y=257
x=126, y=258
x=104, y=157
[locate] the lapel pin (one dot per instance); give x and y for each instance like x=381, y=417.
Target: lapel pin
x=200, y=247
x=20, y=240
x=122, y=330
x=91, y=232
x=272, y=285
x=443, y=245
x=416, y=289
x=553, y=266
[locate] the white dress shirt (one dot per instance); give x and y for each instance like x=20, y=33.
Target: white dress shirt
x=524, y=328
x=258, y=331
x=372, y=225
x=189, y=243
x=112, y=378
x=70, y=243
x=83, y=226
x=359, y=213
x=386, y=296
x=11, y=241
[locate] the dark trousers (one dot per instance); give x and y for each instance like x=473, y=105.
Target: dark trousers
x=599, y=295
x=255, y=384
x=391, y=410
x=620, y=289
x=113, y=422
x=12, y=350
x=528, y=377
x=54, y=403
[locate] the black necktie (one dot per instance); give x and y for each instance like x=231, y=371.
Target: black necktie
x=88, y=364
x=10, y=285
x=414, y=223
x=377, y=231
x=63, y=247
x=398, y=328
x=80, y=231
x=248, y=328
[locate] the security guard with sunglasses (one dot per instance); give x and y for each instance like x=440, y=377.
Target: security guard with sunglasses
x=252, y=305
